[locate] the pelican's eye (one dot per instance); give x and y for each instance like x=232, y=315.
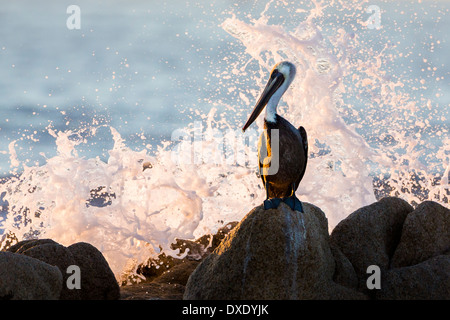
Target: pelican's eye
x=274, y=73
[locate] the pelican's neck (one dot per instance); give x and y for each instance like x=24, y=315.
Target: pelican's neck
x=271, y=108
x=271, y=113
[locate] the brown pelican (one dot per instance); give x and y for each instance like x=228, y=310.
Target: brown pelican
x=282, y=153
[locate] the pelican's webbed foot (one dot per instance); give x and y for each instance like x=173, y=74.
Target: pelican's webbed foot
x=272, y=203
x=293, y=203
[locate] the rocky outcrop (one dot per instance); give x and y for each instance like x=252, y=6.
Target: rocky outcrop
x=97, y=281
x=272, y=254
x=411, y=248
x=269, y=254
x=425, y=234
x=420, y=265
x=370, y=235
x=25, y=278
x=54, y=254
x=282, y=254
x=428, y=280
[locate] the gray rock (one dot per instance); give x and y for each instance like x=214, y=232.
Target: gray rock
x=344, y=273
x=370, y=235
x=271, y=254
x=26, y=278
x=428, y=280
x=425, y=234
x=97, y=279
x=54, y=254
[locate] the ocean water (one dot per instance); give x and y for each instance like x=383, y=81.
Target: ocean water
x=171, y=83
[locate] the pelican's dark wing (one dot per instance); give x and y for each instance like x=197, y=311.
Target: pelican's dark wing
x=305, y=150
x=262, y=150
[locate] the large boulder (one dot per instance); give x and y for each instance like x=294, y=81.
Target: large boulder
x=281, y=254
x=370, y=235
x=428, y=280
x=411, y=248
x=26, y=278
x=425, y=234
x=52, y=253
x=271, y=254
x=97, y=279
x=420, y=266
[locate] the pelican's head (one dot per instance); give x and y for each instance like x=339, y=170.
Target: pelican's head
x=281, y=77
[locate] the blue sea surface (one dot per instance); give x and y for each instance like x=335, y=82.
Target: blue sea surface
x=147, y=68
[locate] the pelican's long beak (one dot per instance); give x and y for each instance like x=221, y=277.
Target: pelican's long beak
x=275, y=81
